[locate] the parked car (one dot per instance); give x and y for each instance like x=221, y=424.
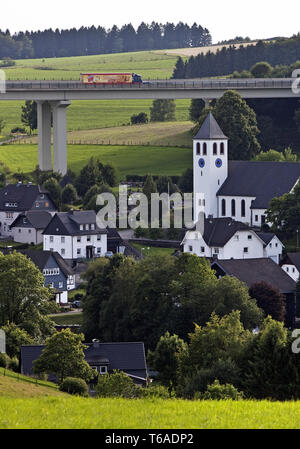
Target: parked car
x=76, y=304
x=109, y=254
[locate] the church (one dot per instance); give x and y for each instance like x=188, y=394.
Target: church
x=234, y=195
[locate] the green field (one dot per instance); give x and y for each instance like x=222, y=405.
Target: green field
x=152, y=250
x=81, y=413
x=148, y=64
x=139, y=160
x=67, y=318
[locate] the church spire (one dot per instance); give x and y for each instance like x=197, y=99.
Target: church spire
x=210, y=130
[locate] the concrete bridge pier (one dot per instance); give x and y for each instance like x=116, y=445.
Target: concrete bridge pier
x=59, y=108
x=44, y=135
x=60, y=161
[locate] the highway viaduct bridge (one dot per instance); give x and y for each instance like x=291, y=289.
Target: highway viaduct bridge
x=57, y=96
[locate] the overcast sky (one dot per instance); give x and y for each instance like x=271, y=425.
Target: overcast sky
x=224, y=18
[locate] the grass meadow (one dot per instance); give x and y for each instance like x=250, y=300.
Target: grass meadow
x=82, y=413
x=139, y=160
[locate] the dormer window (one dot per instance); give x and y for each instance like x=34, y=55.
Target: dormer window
x=87, y=227
x=92, y=227
x=81, y=227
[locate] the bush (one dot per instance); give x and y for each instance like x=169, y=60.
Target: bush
x=74, y=385
x=139, y=118
x=155, y=391
x=18, y=130
x=4, y=360
x=117, y=384
x=216, y=391
x=14, y=364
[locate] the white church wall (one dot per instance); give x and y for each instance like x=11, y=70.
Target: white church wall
x=238, y=208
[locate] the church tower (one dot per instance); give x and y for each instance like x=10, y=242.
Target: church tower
x=210, y=165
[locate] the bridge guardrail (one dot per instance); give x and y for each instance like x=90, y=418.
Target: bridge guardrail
x=163, y=84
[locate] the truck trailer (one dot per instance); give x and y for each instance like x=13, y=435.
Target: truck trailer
x=110, y=78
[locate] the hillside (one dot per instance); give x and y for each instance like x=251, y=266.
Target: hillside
x=82, y=413
x=13, y=385
x=139, y=160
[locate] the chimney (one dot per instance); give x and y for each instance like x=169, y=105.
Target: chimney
x=96, y=343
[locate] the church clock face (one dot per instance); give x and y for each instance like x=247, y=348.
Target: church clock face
x=201, y=163
x=218, y=163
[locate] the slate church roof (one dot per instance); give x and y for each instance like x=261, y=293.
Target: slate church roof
x=262, y=180
x=210, y=129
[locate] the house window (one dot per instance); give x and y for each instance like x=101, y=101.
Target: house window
x=243, y=208
x=99, y=250
x=78, y=251
x=92, y=227
x=198, y=148
x=78, y=239
x=63, y=251
x=223, y=208
x=62, y=239
x=236, y=237
x=37, y=204
x=249, y=237
x=276, y=245
x=103, y=370
x=263, y=219
x=29, y=231
x=88, y=239
x=204, y=149
x=256, y=217
x=19, y=230
x=215, y=148
x=51, y=238
x=222, y=148
x=287, y=269
x=98, y=237
x=202, y=249
x=293, y=270
x=81, y=227
x=9, y=215
x=87, y=227
x=233, y=208
x=270, y=245
x=60, y=285
x=190, y=248
x=216, y=250
x=245, y=250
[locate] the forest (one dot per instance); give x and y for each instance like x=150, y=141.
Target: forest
x=92, y=41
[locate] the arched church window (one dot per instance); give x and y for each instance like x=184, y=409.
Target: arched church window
x=243, y=208
x=223, y=208
x=233, y=208
x=215, y=148
x=198, y=148
x=222, y=148
x=204, y=149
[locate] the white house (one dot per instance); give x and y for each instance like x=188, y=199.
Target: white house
x=241, y=190
x=28, y=227
x=291, y=265
x=225, y=238
x=16, y=199
x=75, y=235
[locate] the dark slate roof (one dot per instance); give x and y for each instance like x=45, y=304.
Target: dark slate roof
x=251, y=271
x=292, y=259
x=266, y=236
x=262, y=180
x=38, y=219
x=22, y=194
x=218, y=231
x=40, y=259
x=67, y=223
x=129, y=357
x=210, y=129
